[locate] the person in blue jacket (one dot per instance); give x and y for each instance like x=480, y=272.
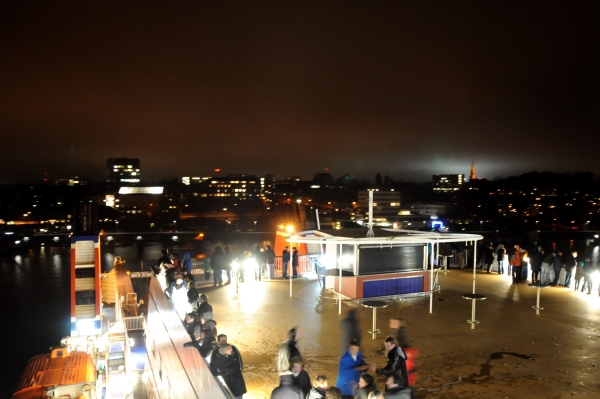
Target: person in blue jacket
x=351, y=366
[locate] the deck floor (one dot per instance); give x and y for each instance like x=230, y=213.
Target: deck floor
x=512, y=352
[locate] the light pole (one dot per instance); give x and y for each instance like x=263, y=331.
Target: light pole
x=290, y=230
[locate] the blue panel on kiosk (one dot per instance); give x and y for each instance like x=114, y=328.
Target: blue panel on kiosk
x=395, y=286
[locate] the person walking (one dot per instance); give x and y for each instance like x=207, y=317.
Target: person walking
x=285, y=259
x=588, y=275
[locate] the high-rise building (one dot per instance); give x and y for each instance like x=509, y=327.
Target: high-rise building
x=386, y=204
x=447, y=182
x=123, y=170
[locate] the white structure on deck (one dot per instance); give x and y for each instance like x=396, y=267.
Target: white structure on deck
x=331, y=247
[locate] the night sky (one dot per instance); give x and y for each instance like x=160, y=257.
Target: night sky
x=406, y=89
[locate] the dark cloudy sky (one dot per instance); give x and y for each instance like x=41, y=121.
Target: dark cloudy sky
x=404, y=88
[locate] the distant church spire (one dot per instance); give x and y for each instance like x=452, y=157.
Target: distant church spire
x=473, y=174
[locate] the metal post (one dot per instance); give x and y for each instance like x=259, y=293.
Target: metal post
x=473, y=314
x=290, y=274
x=474, y=267
x=430, y=287
x=318, y=223
x=537, y=302
x=338, y=261
x=374, y=323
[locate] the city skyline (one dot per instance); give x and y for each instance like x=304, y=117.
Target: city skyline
x=405, y=90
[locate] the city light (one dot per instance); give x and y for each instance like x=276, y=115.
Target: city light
x=289, y=228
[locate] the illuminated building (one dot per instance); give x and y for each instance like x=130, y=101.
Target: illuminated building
x=232, y=186
x=123, y=170
x=386, y=205
x=443, y=183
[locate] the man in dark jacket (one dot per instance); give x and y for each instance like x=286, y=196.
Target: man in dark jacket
x=557, y=264
x=570, y=264
x=270, y=262
x=285, y=258
x=203, y=305
x=535, y=260
x=227, y=364
x=217, y=262
x=295, y=262
x=396, y=364
x=222, y=340
x=286, y=388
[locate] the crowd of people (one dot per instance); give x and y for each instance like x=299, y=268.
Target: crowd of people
x=555, y=268
x=197, y=316
x=355, y=379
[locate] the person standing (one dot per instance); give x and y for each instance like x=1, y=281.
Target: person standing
x=588, y=275
x=557, y=264
x=396, y=364
x=516, y=265
x=535, y=260
x=286, y=388
x=301, y=377
x=546, y=268
x=570, y=263
x=295, y=262
x=228, y=365
x=285, y=259
x=217, y=261
x=258, y=258
x=366, y=385
x=501, y=252
x=270, y=261
x=350, y=330
x=320, y=385
x=351, y=366
x=227, y=264
x=222, y=340
x=186, y=266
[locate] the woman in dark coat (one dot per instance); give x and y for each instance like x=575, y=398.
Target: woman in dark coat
x=227, y=364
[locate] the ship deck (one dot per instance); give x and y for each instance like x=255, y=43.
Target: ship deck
x=512, y=352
